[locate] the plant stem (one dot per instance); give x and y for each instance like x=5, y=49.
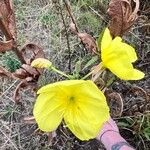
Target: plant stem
x=59, y=8
x=87, y=75
x=8, y=36
x=60, y=72
x=96, y=70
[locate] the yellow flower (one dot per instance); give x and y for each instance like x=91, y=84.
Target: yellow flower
x=80, y=103
x=118, y=57
x=41, y=63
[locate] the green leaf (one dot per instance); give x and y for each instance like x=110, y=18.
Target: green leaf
x=147, y=133
x=100, y=38
x=78, y=67
x=123, y=124
x=90, y=62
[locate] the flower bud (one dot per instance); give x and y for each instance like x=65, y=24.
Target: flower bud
x=41, y=63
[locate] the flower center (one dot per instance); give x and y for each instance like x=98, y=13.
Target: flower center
x=72, y=98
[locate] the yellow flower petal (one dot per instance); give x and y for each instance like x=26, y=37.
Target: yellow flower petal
x=41, y=63
x=137, y=74
x=90, y=111
x=118, y=58
x=113, y=51
x=82, y=105
x=124, y=69
x=60, y=84
x=48, y=110
x=106, y=39
x=119, y=47
x=130, y=51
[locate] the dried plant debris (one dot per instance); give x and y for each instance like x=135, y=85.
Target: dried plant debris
x=7, y=25
x=29, y=120
x=4, y=72
x=139, y=101
x=7, y=19
x=32, y=51
x=29, y=52
x=122, y=16
x=7, y=45
x=115, y=103
x=87, y=40
x=26, y=73
x=26, y=55
x=27, y=83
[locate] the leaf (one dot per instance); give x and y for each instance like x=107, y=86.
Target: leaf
x=78, y=67
x=27, y=73
x=23, y=84
x=138, y=91
x=32, y=71
x=16, y=95
x=90, y=62
x=146, y=132
x=29, y=52
x=87, y=40
x=32, y=50
x=123, y=124
x=122, y=16
x=21, y=73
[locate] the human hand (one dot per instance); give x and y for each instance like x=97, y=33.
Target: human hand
x=109, y=135
x=110, y=125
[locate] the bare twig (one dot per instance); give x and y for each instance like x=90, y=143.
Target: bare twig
x=87, y=40
x=68, y=7
x=99, y=15
x=9, y=37
x=67, y=37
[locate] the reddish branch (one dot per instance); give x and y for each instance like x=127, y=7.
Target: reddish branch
x=8, y=28
x=4, y=29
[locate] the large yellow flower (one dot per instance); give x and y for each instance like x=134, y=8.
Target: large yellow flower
x=118, y=57
x=80, y=103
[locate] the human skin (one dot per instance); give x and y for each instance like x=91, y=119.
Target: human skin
x=111, y=138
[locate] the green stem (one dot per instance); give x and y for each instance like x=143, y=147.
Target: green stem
x=60, y=72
